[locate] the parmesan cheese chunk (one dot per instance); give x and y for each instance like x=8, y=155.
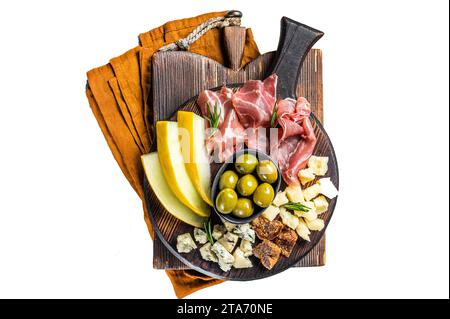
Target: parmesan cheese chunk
x=321, y=204
x=327, y=188
x=303, y=230
x=288, y=219
x=295, y=194
x=319, y=165
x=306, y=175
x=311, y=192
x=271, y=212
x=316, y=224
x=280, y=199
x=309, y=215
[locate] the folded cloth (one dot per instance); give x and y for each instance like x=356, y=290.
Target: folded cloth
x=118, y=94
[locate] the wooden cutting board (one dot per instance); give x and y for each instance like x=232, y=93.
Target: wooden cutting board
x=193, y=73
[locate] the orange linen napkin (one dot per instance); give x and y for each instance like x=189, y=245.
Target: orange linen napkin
x=118, y=94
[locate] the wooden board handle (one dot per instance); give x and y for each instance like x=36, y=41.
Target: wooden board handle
x=296, y=39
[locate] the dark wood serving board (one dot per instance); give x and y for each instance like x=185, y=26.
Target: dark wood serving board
x=177, y=76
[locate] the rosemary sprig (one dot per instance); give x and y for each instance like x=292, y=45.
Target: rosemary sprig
x=273, y=119
x=296, y=206
x=208, y=231
x=214, y=117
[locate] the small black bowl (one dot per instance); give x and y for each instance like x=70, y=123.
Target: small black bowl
x=229, y=165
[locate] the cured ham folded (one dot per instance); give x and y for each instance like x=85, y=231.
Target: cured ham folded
x=254, y=102
x=296, y=139
x=247, y=116
x=229, y=135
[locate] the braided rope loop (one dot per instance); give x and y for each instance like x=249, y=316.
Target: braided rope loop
x=198, y=32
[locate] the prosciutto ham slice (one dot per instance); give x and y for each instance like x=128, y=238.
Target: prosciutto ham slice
x=254, y=102
x=246, y=117
x=229, y=136
x=296, y=139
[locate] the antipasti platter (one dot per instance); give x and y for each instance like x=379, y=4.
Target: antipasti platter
x=243, y=179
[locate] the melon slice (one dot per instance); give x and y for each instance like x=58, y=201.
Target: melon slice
x=165, y=195
x=194, y=152
x=174, y=170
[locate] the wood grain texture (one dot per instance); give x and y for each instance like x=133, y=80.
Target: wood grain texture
x=234, y=38
x=172, y=88
x=178, y=76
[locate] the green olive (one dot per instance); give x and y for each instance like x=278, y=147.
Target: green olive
x=243, y=208
x=246, y=163
x=247, y=184
x=263, y=195
x=267, y=171
x=228, y=180
x=226, y=201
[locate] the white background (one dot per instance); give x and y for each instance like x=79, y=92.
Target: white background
x=71, y=226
